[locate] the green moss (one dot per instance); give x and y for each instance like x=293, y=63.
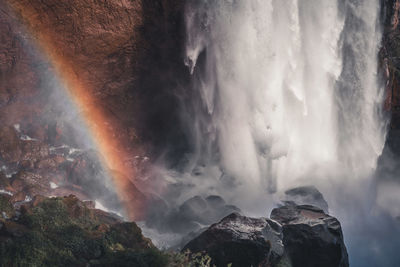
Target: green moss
x=188, y=259
x=126, y=235
x=63, y=232
x=147, y=258
x=49, y=215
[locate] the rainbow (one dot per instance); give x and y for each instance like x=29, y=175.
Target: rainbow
x=109, y=146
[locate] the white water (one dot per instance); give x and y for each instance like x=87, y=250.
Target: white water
x=290, y=88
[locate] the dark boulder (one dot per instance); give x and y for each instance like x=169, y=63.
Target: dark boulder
x=311, y=238
x=241, y=241
x=295, y=236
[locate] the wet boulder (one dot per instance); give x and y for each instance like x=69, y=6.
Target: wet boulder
x=311, y=237
x=241, y=241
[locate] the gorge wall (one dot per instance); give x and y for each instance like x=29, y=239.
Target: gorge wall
x=121, y=60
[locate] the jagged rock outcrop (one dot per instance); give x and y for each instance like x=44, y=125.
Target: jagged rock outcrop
x=296, y=236
x=119, y=51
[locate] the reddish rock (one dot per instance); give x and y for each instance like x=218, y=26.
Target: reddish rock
x=18, y=197
x=17, y=184
x=37, y=200
x=94, y=43
x=33, y=190
x=112, y=51
x=10, y=150
x=69, y=190
x=89, y=204
x=5, y=183
x=52, y=162
x=30, y=183
x=34, y=150
x=30, y=178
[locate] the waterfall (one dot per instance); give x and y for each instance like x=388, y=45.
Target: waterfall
x=288, y=90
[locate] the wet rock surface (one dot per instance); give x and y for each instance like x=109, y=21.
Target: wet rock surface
x=311, y=237
x=242, y=241
x=296, y=235
x=30, y=167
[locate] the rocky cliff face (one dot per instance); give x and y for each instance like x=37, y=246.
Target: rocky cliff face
x=390, y=12
x=97, y=44
x=126, y=56
x=121, y=51
x=388, y=163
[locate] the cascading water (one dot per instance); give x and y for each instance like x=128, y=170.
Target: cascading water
x=290, y=88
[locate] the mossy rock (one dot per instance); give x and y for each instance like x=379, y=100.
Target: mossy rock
x=65, y=232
